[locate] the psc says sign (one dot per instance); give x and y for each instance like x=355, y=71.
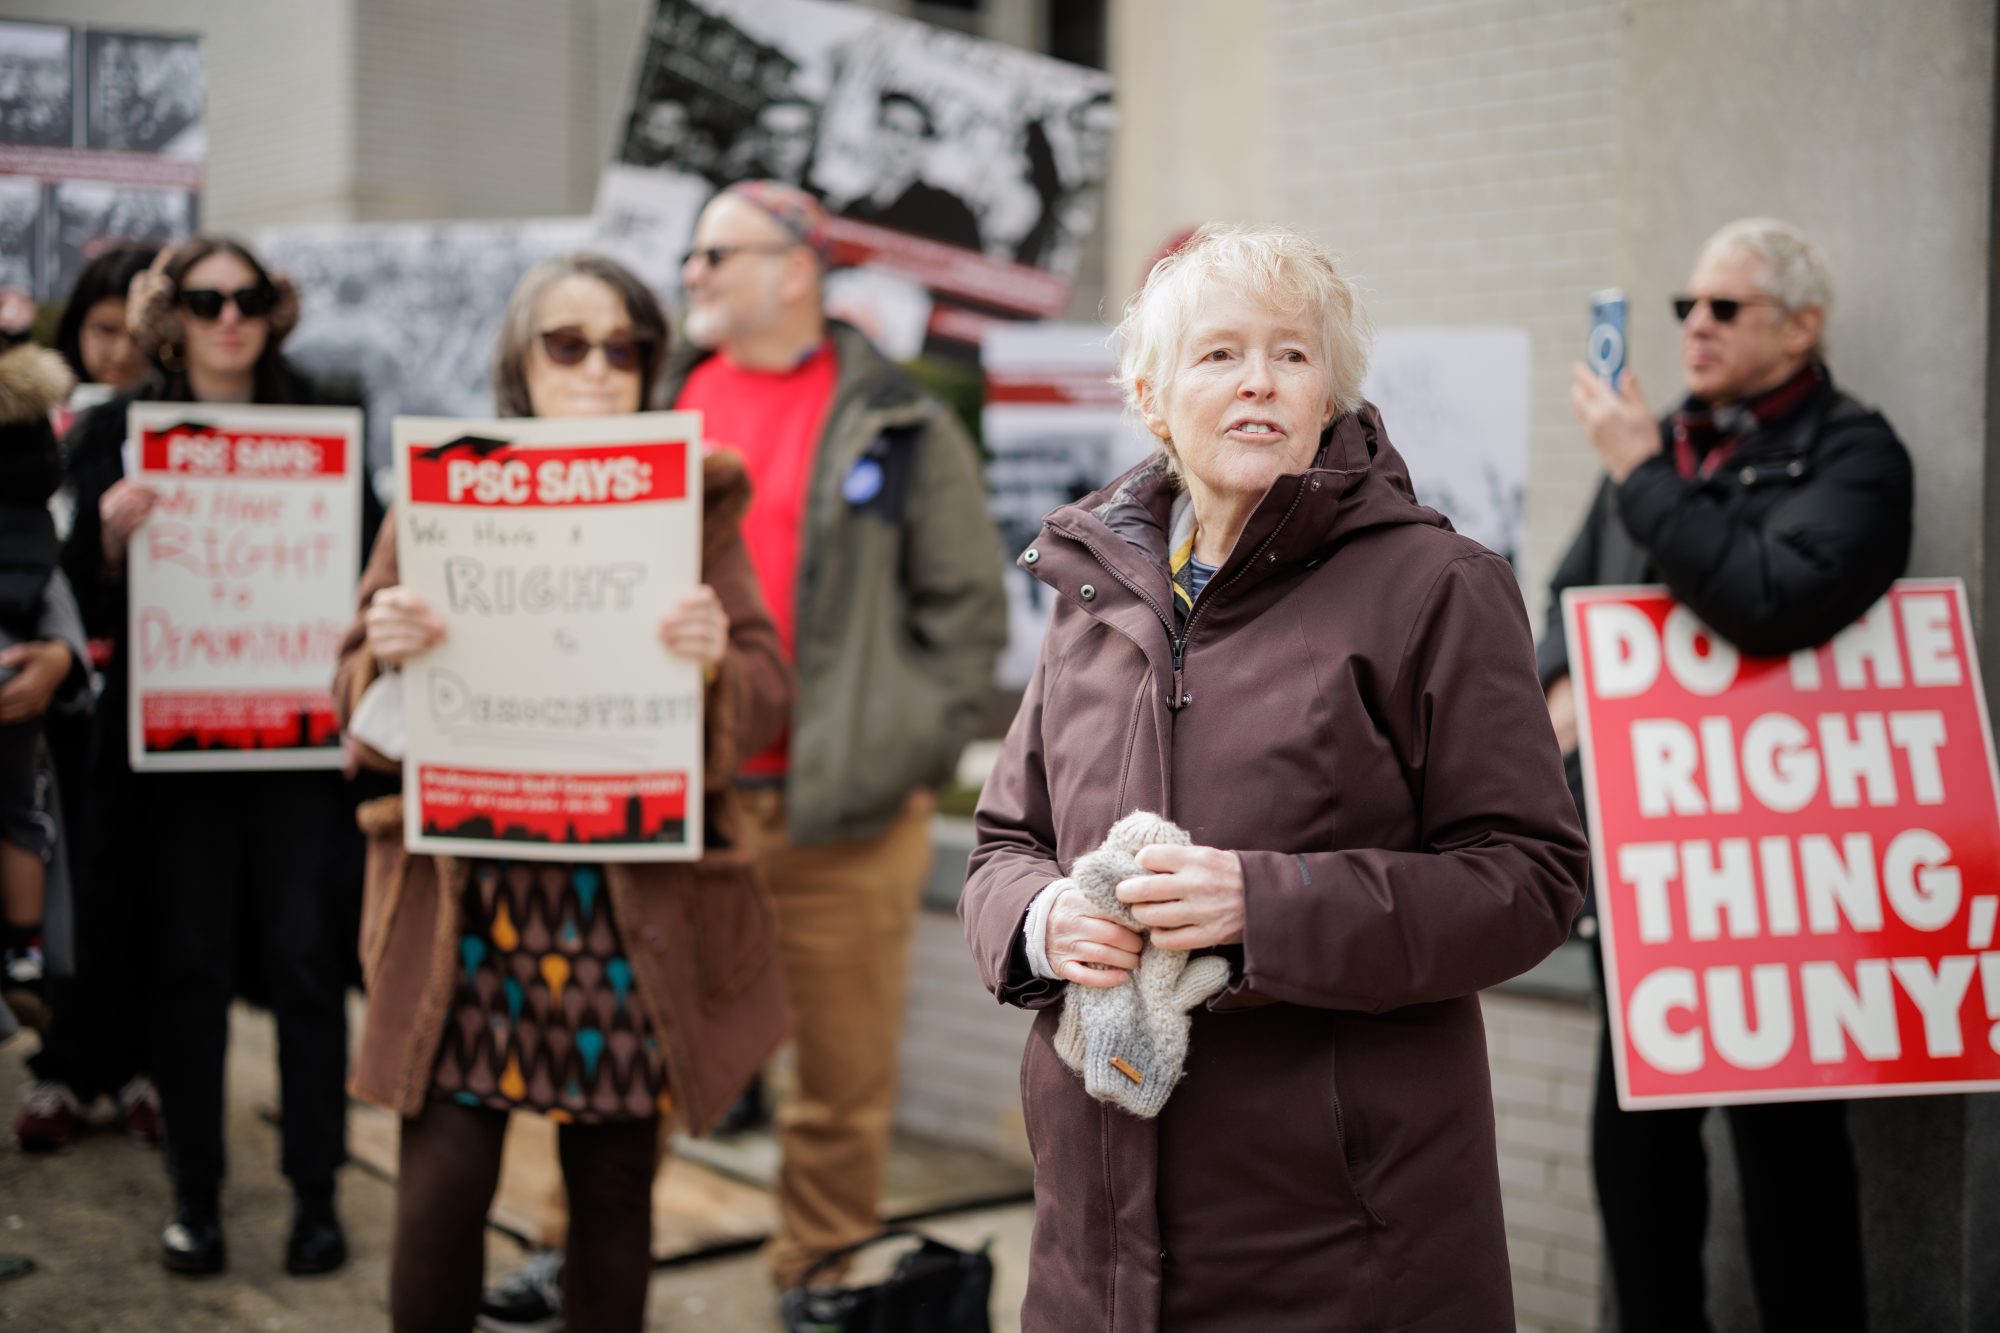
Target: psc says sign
x=1797, y=859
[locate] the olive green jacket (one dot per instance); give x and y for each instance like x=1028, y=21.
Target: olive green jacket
x=899, y=607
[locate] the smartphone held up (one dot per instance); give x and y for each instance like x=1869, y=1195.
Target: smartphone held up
x=1604, y=352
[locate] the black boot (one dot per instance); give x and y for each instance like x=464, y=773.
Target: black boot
x=316, y=1244
x=191, y=1244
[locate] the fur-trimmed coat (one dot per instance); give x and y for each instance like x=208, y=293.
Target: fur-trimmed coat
x=699, y=935
x=33, y=381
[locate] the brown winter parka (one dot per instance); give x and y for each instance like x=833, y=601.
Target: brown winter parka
x=1353, y=709
x=699, y=935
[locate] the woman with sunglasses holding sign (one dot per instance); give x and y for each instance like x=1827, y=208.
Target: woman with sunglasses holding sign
x=458, y=1039
x=212, y=854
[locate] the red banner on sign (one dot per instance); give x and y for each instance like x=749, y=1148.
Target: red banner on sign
x=219, y=721
x=505, y=806
x=532, y=478
x=204, y=452
x=1798, y=859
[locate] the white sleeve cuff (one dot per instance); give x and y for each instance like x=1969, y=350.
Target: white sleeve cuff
x=1035, y=930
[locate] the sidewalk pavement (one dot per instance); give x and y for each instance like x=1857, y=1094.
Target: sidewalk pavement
x=90, y=1216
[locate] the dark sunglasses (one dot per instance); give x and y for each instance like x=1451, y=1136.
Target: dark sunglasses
x=566, y=347
x=715, y=256
x=1724, y=308
x=207, y=302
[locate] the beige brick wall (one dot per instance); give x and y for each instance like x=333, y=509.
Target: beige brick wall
x=961, y=1057
x=474, y=108
x=1462, y=156
x=1543, y=1055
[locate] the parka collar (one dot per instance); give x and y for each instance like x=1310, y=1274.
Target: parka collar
x=1357, y=482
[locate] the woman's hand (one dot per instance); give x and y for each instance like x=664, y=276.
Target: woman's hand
x=1086, y=948
x=400, y=625
x=1618, y=422
x=1192, y=900
x=39, y=671
x=145, y=287
x=697, y=629
x=120, y=511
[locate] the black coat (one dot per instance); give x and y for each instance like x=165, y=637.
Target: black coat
x=92, y=463
x=1807, y=525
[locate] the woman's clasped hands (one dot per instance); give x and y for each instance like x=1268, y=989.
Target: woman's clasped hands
x=1191, y=898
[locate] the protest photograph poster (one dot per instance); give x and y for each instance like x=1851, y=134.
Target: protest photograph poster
x=1797, y=859
x=550, y=721
x=408, y=313
x=102, y=140
x=241, y=583
x=970, y=169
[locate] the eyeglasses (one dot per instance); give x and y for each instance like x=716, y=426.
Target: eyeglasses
x=715, y=256
x=207, y=302
x=1724, y=308
x=566, y=347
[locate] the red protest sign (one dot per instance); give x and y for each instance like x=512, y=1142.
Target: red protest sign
x=1797, y=859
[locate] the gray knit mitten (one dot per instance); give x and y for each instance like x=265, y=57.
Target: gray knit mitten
x=1129, y=1042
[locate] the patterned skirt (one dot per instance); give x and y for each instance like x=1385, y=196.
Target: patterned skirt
x=545, y=1016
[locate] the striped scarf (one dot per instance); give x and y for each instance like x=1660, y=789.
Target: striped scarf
x=1190, y=575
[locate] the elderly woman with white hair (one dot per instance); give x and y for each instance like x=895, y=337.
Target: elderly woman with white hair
x=1257, y=1092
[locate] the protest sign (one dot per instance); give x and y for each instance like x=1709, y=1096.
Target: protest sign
x=1455, y=401
x=1797, y=859
x=970, y=169
x=101, y=140
x=241, y=583
x=550, y=723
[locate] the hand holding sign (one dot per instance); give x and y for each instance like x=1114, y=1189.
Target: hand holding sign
x=121, y=510
x=697, y=628
x=400, y=625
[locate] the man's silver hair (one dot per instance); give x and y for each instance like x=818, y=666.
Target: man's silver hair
x=1794, y=269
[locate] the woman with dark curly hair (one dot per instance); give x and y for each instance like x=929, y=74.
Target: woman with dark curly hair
x=216, y=853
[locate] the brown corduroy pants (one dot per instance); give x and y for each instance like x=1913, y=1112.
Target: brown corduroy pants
x=845, y=911
x=448, y=1166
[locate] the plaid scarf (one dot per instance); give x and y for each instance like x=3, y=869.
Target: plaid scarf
x=1705, y=437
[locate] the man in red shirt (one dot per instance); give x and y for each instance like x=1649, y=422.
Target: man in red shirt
x=869, y=533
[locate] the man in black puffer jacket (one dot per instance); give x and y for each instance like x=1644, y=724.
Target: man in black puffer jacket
x=1778, y=509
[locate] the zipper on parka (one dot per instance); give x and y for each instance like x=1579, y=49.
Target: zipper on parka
x=1181, y=696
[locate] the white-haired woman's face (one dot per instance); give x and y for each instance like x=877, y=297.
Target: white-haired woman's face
x=1250, y=394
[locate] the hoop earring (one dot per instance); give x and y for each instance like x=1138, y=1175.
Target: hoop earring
x=170, y=357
